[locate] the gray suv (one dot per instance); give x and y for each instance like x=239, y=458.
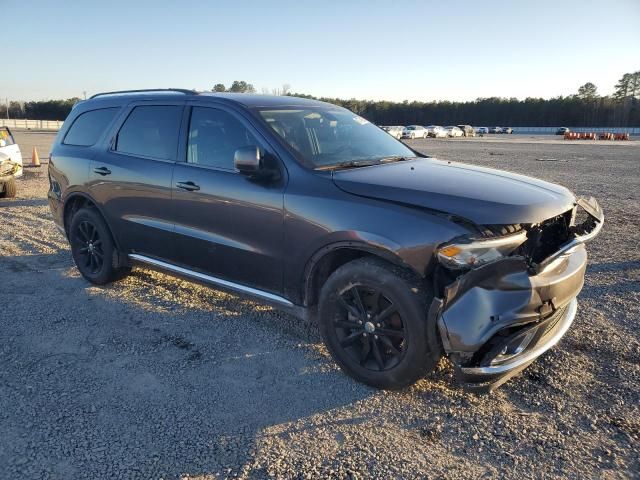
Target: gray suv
x=399, y=257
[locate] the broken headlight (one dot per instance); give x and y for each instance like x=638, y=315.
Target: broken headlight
x=475, y=253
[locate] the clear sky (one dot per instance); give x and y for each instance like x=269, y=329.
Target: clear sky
x=366, y=49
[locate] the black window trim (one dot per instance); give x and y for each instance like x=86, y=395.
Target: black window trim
x=128, y=111
x=106, y=130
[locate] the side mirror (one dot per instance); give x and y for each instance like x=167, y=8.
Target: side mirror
x=248, y=160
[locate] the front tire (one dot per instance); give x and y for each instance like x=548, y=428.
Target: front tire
x=93, y=248
x=372, y=318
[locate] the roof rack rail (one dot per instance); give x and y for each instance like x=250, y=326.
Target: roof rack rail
x=176, y=90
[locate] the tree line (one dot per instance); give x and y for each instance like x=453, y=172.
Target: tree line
x=39, y=110
x=584, y=109
x=531, y=112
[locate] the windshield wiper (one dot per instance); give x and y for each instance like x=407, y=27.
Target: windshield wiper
x=395, y=158
x=364, y=163
x=349, y=164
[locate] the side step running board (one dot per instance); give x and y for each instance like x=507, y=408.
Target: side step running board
x=219, y=282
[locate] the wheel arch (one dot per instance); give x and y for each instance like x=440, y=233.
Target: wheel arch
x=77, y=200
x=329, y=258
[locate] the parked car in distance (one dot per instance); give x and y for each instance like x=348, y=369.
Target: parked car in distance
x=394, y=131
x=562, y=130
x=467, y=130
x=10, y=163
x=506, y=130
x=495, y=129
x=453, y=131
x=9, y=147
x=414, y=131
x=304, y=205
x=436, y=131
x=482, y=130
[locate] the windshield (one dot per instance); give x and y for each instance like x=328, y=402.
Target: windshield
x=333, y=136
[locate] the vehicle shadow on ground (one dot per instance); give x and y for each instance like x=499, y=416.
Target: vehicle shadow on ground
x=187, y=386
x=4, y=202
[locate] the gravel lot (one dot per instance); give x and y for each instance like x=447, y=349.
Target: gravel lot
x=155, y=377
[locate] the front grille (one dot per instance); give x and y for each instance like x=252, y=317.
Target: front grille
x=488, y=231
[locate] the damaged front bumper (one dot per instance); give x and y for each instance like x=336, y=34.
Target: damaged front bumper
x=496, y=319
x=550, y=332
x=9, y=169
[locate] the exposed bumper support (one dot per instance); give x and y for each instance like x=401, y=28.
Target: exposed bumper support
x=592, y=207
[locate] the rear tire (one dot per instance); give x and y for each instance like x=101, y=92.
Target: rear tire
x=373, y=320
x=10, y=189
x=93, y=248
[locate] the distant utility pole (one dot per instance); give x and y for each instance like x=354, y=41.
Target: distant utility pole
x=7, y=100
x=85, y=94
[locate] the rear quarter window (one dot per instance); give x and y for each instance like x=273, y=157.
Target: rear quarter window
x=89, y=126
x=151, y=131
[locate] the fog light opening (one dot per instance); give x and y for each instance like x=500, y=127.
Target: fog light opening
x=514, y=348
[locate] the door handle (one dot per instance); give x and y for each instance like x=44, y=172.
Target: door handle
x=102, y=171
x=189, y=186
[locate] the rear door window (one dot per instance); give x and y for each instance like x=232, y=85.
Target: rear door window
x=89, y=126
x=151, y=131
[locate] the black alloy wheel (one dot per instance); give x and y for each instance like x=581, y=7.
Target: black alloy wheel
x=93, y=248
x=373, y=319
x=371, y=328
x=87, y=242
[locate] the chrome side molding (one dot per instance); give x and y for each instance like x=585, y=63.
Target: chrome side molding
x=226, y=284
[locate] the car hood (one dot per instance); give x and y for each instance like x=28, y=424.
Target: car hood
x=482, y=195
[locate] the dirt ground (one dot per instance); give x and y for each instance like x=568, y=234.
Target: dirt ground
x=154, y=377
